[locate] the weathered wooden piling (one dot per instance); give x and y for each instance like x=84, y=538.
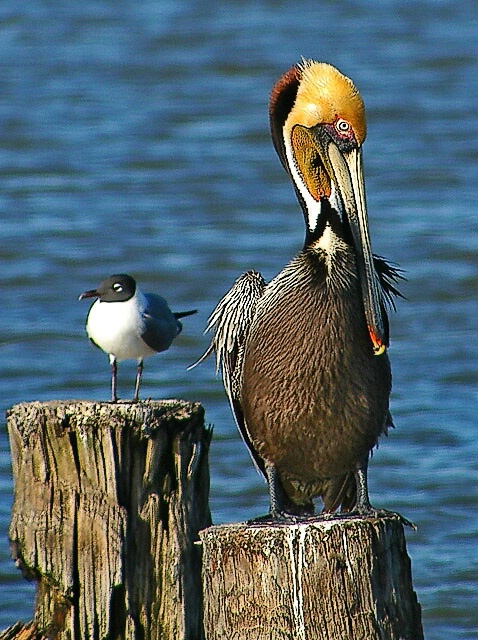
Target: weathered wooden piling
x=343, y=579
x=109, y=500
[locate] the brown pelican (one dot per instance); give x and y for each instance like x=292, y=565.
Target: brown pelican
x=304, y=359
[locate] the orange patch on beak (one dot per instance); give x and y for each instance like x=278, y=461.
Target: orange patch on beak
x=379, y=346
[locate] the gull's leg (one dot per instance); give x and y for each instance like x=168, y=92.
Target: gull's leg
x=138, y=381
x=114, y=375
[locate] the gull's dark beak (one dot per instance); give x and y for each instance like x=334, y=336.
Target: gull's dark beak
x=92, y=293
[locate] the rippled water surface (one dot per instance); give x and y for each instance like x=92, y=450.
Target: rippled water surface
x=134, y=137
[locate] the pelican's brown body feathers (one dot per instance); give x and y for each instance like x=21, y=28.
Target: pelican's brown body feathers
x=313, y=396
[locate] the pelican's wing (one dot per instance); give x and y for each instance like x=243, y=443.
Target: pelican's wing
x=231, y=321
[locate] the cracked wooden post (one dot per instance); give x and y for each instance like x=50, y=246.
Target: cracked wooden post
x=341, y=578
x=109, y=499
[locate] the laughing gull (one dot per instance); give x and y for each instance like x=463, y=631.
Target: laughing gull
x=128, y=324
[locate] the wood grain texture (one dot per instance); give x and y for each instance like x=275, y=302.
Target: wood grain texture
x=109, y=499
x=20, y=631
x=337, y=579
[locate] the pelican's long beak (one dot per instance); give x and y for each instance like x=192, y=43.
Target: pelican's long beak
x=346, y=171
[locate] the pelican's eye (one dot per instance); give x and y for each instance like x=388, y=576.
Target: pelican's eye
x=118, y=287
x=342, y=126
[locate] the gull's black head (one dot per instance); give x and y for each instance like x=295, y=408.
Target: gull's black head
x=119, y=287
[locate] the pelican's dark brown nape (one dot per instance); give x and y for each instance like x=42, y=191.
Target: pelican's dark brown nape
x=304, y=357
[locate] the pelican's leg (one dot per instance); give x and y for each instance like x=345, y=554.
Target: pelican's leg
x=282, y=509
x=139, y=373
x=363, y=506
x=114, y=375
x=275, y=491
x=281, y=506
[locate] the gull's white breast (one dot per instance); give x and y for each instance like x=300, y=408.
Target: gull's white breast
x=117, y=327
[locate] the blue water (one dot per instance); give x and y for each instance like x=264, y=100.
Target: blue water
x=134, y=137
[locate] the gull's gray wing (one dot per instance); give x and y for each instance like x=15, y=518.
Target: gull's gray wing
x=160, y=324
x=231, y=321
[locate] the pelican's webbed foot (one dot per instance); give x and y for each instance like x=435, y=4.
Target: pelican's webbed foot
x=363, y=508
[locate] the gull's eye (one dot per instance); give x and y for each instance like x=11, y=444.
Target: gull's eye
x=342, y=126
x=118, y=287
